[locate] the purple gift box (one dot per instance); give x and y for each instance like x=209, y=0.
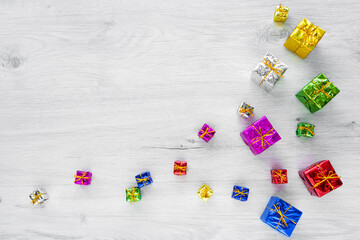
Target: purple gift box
x=83, y=178
x=206, y=133
x=260, y=135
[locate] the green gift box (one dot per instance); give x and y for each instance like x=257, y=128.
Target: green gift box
x=317, y=93
x=305, y=130
x=133, y=194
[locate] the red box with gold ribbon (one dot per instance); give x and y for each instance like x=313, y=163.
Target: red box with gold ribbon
x=320, y=178
x=279, y=176
x=180, y=167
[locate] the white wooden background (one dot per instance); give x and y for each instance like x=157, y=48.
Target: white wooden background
x=120, y=87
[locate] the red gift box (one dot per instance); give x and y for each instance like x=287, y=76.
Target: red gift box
x=320, y=178
x=180, y=167
x=279, y=176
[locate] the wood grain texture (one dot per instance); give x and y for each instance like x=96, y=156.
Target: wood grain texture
x=120, y=87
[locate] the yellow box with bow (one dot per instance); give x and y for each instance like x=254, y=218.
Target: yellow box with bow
x=281, y=13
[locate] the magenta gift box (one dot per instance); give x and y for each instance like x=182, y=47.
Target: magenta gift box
x=206, y=133
x=83, y=178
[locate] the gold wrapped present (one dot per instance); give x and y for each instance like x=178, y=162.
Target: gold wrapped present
x=304, y=38
x=205, y=192
x=281, y=13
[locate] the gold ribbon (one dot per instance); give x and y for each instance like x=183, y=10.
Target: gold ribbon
x=321, y=175
x=261, y=138
x=320, y=89
x=78, y=178
x=182, y=169
x=242, y=193
x=282, y=215
x=246, y=110
x=308, y=129
x=278, y=71
x=205, y=132
x=132, y=194
x=308, y=29
x=204, y=191
x=282, y=12
x=278, y=173
x=141, y=179
x=37, y=196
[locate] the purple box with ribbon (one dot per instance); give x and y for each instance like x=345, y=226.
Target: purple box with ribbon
x=83, y=178
x=206, y=133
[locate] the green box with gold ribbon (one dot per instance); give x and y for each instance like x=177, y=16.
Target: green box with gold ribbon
x=133, y=194
x=305, y=130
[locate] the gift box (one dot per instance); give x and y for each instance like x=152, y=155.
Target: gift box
x=268, y=72
x=320, y=178
x=305, y=130
x=180, y=167
x=245, y=110
x=317, y=93
x=260, y=135
x=281, y=216
x=206, y=133
x=240, y=193
x=83, y=178
x=279, y=176
x=39, y=196
x=143, y=179
x=205, y=192
x=133, y=194
x=304, y=38
x=281, y=13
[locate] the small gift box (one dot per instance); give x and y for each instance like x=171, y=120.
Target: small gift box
x=205, y=192
x=305, y=130
x=268, y=72
x=39, y=196
x=317, y=93
x=206, y=133
x=260, y=135
x=280, y=215
x=281, y=13
x=304, y=38
x=83, y=178
x=279, y=176
x=240, y=193
x=180, y=167
x=133, y=194
x=245, y=110
x=320, y=178
x=143, y=179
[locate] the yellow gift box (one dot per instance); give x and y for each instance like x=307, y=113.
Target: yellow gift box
x=304, y=38
x=281, y=13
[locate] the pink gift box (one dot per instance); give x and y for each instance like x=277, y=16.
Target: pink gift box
x=206, y=133
x=83, y=178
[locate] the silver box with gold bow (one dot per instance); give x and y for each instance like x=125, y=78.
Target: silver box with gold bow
x=38, y=196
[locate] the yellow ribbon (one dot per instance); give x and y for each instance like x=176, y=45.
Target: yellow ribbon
x=141, y=179
x=308, y=129
x=246, y=110
x=205, y=132
x=282, y=215
x=320, y=89
x=132, y=194
x=278, y=71
x=242, y=193
x=37, y=196
x=282, y=177
x=261, y=138
x=308, y=29
x=321, y=175
x=78, y=178
x=182, y=169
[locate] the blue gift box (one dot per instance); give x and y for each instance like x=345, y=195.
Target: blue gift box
x=143, y=179
x=240, y=193
x=281, y=216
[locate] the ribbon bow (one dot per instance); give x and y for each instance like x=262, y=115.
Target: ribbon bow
x=141, y=179
x=242, y=193
x=78, y=178
x=278, y=174
x=320, y=89
x=37, y=197
x=180, y=168
x=132, y=194
x=282, y=215
x=262, y=137
x=267, y=63
x=308, y=29
x=248, y=109
x=204, y=192
x=308, y=129
x=205, y=132
x=325, y=178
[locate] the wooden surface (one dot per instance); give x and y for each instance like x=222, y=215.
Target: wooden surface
x=120, y=87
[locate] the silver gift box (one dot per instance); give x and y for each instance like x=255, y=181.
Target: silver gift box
x=39, y=196
x=266, y=77
x=243, y=113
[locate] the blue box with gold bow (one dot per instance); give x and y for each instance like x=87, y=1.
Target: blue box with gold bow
x=143, y=179
x=281, y=216
x=240, y=193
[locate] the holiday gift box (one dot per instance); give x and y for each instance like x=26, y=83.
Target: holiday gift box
x=205, y=192
x=305, y=130
x=320, y=178
x=281, y=216
x=83, y=178
x=180, y=167
x=143, y=179
x=260, y=135
x=281, y=13
x=133, y=194
x=279, y=176
x=268, y=72
x=317, y=93
x=304, y=38
x=39, y=196
x=206, y=133
x=245, y=110
x=240, y=193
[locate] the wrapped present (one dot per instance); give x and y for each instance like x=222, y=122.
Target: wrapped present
x=206, y=133
x=83, y=178
x=39, y=196
x=143, y=179
x=268, y=72
x=304, y=38
x=305, y=130
x=260, y=135
x=245, y=110
x=281, y=216
x=320, y=178
x=133, y=194
x=279, y=176
x=317, y=93
x=240, y=193
x=205, y=192
x=180, y=167
x=281, y=13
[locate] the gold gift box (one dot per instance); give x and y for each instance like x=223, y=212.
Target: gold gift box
x=281, y=13
x=304, y=38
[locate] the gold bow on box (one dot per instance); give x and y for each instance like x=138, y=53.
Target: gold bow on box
x=281, y=13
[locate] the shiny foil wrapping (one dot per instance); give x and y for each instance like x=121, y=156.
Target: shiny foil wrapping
x=206, y=133
x=205, y=192
x=240, y=193
x=39, y=196
x=268, y=72
x=320, y=178
x=281, y=216
x=260, y=135
x=281, y=13
x=133, y=194
x=279, y=176
x=305, y=130
x=317, y=93
x=143, y=179
x=180, y=167
x=83, y=178
x=245, y=110
x=304, y=38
